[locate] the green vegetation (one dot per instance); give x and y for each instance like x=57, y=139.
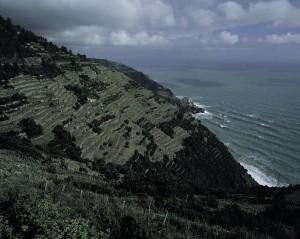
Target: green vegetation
x=9, y=103
x=7, y=71
x=9, y=43
x=110, y=201
x=80, y=92
x=30, y=127
x=63, y=144
x=50, y=69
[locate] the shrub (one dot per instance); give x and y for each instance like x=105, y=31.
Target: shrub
x=33, y=217
x=130, y=229
x=63, y=144
x=50, y=69
x=80, y=92
x=12, y=141
x=31, y=128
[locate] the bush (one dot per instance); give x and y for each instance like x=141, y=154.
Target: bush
x=80, y=92
x=12, y=141
x=33, y=217
x=31, y=128
x=63, y=144
x=232, y=216
x=50, y=69
x=130, y=229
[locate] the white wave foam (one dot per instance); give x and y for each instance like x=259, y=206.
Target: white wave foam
x=251, y=115
x=200, y=105
x=205, y=115
x=227, y=144
x=223, y=126
x=180, y=97
x=260, y=177
x=265, y=125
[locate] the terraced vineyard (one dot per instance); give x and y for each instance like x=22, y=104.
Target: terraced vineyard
x=51, y=104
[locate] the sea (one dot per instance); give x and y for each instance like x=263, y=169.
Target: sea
x=253, y=108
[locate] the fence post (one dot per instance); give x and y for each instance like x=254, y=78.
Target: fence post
x=165, y=218
x=188, y=230
x=123, y=206
x=63, y=188
x=46, y=186
x=148, y=216
x=149, y=207
x=107, y=205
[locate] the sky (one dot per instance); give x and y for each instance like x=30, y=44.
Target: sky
x=162, y=32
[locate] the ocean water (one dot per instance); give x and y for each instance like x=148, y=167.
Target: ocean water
x=254, y=110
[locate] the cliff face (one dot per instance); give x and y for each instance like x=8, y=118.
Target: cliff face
x=108, y=111
x=94, y=149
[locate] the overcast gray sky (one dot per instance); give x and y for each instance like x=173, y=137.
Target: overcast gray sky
x=161, y=31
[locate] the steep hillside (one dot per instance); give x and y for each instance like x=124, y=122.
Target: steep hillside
x=94, y=149
x=110, y=113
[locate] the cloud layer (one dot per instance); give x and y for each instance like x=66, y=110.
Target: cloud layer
x=71, y=13
x=229, y=38
x=283, y=39
x=160, y=24
x=122, y=38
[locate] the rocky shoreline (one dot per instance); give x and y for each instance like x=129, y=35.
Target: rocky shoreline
x=191, y=106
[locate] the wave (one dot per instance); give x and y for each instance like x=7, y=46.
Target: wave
x=259, y=138
x=257, y=121
x=205, y=115
x=252, y=115
x=259, y=142
x=264, y=128
x=237, y=146
x=180, y=97
x=201, y=105
x=260, y=177
x=254, y=131
x=266, y=120
x=264, y=125
x=223, y=126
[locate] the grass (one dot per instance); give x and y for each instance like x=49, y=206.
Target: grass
x=86, y=200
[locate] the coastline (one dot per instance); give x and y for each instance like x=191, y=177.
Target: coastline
x=258, y=175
